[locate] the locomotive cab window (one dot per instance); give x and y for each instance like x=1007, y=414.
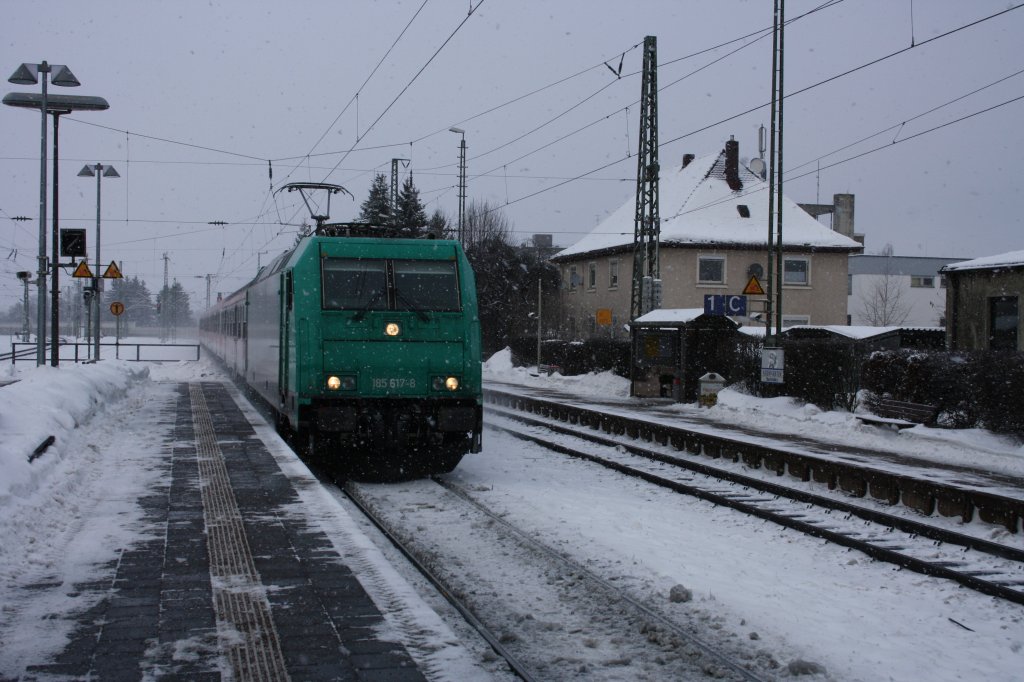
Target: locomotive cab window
x=429, y=285
x=378, y=284
x=354, y=284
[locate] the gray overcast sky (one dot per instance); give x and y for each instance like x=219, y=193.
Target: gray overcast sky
x=203, y=94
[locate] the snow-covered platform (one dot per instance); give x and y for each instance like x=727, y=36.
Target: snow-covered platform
x=230, y=580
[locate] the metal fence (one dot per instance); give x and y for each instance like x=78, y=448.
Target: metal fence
x=73, y=351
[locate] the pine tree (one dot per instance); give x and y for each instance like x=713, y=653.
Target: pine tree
x=411, y=218
x=173, y=306
x=376, y=210
x=438, y=225
x=133, y=293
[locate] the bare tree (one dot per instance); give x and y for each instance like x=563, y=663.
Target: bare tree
x=883, y=306
x=484, y=223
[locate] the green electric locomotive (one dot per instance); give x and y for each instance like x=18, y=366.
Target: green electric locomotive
x=367, y=348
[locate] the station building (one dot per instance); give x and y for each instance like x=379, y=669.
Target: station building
x=714, y=237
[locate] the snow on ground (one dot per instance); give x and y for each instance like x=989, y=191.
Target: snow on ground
x=64, y=513
x=973, y=447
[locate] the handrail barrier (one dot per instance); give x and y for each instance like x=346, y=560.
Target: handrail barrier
x=80, y=351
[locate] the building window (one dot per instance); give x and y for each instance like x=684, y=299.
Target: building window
x=591, y=275
x=849, y=286
x=613, y=274
x=921, y=282
x=1003, y=318
x=795, y=320
x=711, y=270
x=796, y=272
x=573, y=278
x=942, y=281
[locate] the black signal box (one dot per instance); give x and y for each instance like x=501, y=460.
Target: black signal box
x=72, y=243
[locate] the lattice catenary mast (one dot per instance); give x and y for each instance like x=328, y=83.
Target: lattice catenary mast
x=647, y=223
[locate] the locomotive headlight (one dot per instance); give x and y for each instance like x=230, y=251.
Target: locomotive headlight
x=392, y=329
x=342, y=383
x=445, y=383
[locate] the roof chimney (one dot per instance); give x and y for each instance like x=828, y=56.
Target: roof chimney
x=687, y=158
x=732, y=164
x=842, y=219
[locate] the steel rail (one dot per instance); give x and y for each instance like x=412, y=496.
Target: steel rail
x=514, y=664
x=873, y=550
x=608, y=587
x=901, y=523
x=858, y=479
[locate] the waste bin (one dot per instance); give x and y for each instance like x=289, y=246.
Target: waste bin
x=710, y=384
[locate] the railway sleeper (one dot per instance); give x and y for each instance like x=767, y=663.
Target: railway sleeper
x=773, y=461
x=918, y=496
x=823, y=473
x=852, y=483
x=884, y=489
x=954, y=503
x=799, y=468
x=1001, y=515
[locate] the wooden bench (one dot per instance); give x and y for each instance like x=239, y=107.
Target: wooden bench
x=898, y=414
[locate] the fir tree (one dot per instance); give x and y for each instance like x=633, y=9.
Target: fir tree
x=411, y=218
x=438, y=225
x=376, y=210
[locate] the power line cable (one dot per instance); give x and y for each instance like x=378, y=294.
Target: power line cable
x=462, y=23
x=792, y=94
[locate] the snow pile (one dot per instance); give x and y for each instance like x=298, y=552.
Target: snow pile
x=52, y=401
x=607, y=384
x=789, y=417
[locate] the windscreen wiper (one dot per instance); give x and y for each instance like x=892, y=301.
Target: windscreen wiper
x=369, y=304
x=411, y=305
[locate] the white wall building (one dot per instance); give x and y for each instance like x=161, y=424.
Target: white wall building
x=897, y=291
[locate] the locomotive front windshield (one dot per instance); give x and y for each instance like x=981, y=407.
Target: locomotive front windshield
x=379, y=284
x=355, y=284
x=426, y=285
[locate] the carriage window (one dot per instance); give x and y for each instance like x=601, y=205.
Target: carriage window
x=429, y=285
x=354, y=284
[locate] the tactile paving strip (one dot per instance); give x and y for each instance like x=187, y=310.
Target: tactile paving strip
x=244, y=625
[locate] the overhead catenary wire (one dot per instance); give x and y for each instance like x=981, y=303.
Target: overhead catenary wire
x=787, y=96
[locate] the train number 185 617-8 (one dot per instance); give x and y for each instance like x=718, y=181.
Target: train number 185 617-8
x=393, y=383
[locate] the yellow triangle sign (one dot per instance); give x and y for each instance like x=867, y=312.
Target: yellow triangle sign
x=753, y=287
x=112, y=272
x=82, y=270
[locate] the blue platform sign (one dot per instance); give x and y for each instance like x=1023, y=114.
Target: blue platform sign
x=720, y=304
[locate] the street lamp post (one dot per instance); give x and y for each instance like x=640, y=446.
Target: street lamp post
x=28, y=74
x=100, y=171
x=462, y=179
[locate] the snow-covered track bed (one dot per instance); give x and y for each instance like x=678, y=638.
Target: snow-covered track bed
x=988, y=567
x=542, y=608
x=928, y=490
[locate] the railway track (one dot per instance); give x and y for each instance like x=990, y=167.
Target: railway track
x=965, y=493
x=988, y=567
x=565, y=608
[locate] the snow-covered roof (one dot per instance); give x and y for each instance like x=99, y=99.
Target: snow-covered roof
x=859, y=333
x=670, y=316
x=1013, y=259
x=698, y=207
